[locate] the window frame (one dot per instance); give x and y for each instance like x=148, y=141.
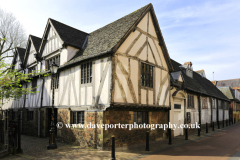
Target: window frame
x=75, y=115
x=213, y=103
x=56, y=81
x=30, y=115
x=86, y=73
x=147, y=75
x=177, y=107
x=31, y=69
x=204, y=103
x=190, y=101
x=136, y=117
x=34, y=85
x=49, y=61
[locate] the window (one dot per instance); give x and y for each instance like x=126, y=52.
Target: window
x=31, y=69
x=204, y=103
x=146, y=75
x=30, y=115
x=190, y=101
x=49, y=62
x=86, y=73
x=140, y=117
x=177, y=106
x=78, y=117
x=188, y=117
x=213, y=104
x=56, y=81
x=226, y=105
x=34, y=85
x=220, y=104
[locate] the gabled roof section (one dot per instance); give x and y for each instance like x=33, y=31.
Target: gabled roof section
x=18, y=51
x=230, y=82
x=110, y=37
x=199, y=84
x=21, y=53
x=32, y=41
x=36, y=42
x=227, y=91
x=69, y=35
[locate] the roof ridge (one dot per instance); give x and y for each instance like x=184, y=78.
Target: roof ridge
x=122, y=17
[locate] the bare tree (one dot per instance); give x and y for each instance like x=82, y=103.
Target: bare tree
x=14, y=33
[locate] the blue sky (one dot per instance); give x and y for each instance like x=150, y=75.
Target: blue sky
x=207, y=33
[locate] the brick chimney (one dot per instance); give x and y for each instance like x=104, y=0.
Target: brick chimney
x=188, y=63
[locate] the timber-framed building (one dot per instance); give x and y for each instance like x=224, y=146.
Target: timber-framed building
x=116, y=74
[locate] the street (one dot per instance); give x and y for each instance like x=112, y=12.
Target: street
x=221, y=146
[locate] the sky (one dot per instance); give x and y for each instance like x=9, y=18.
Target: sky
x=205, y=32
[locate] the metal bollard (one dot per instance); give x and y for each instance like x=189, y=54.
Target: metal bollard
x=223, y=124
x=186, y=133
x=234, y=120
x=226, y=123
x=147, y=141
x=206, y=128
x=170, y=136
x=218, y=124
x=113, y=148
x=199, y=129
x=212, y=126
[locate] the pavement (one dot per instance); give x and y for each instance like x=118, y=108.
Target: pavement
x=219, y=144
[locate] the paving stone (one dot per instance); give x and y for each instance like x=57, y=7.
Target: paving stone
x=36, y=148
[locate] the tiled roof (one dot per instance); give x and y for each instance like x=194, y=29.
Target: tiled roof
x=227, y=91
x=21, y=52
x=69, y=35
x=104, y=39
x=199, y=84
x=229, y=82
x=36, y=42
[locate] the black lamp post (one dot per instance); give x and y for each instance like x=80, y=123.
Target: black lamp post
x=52, y=144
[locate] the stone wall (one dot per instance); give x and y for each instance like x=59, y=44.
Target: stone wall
x=84, y=137
x=126, y=137
x=30, y=127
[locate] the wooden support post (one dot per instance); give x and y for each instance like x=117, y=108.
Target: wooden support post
x=147, y=141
